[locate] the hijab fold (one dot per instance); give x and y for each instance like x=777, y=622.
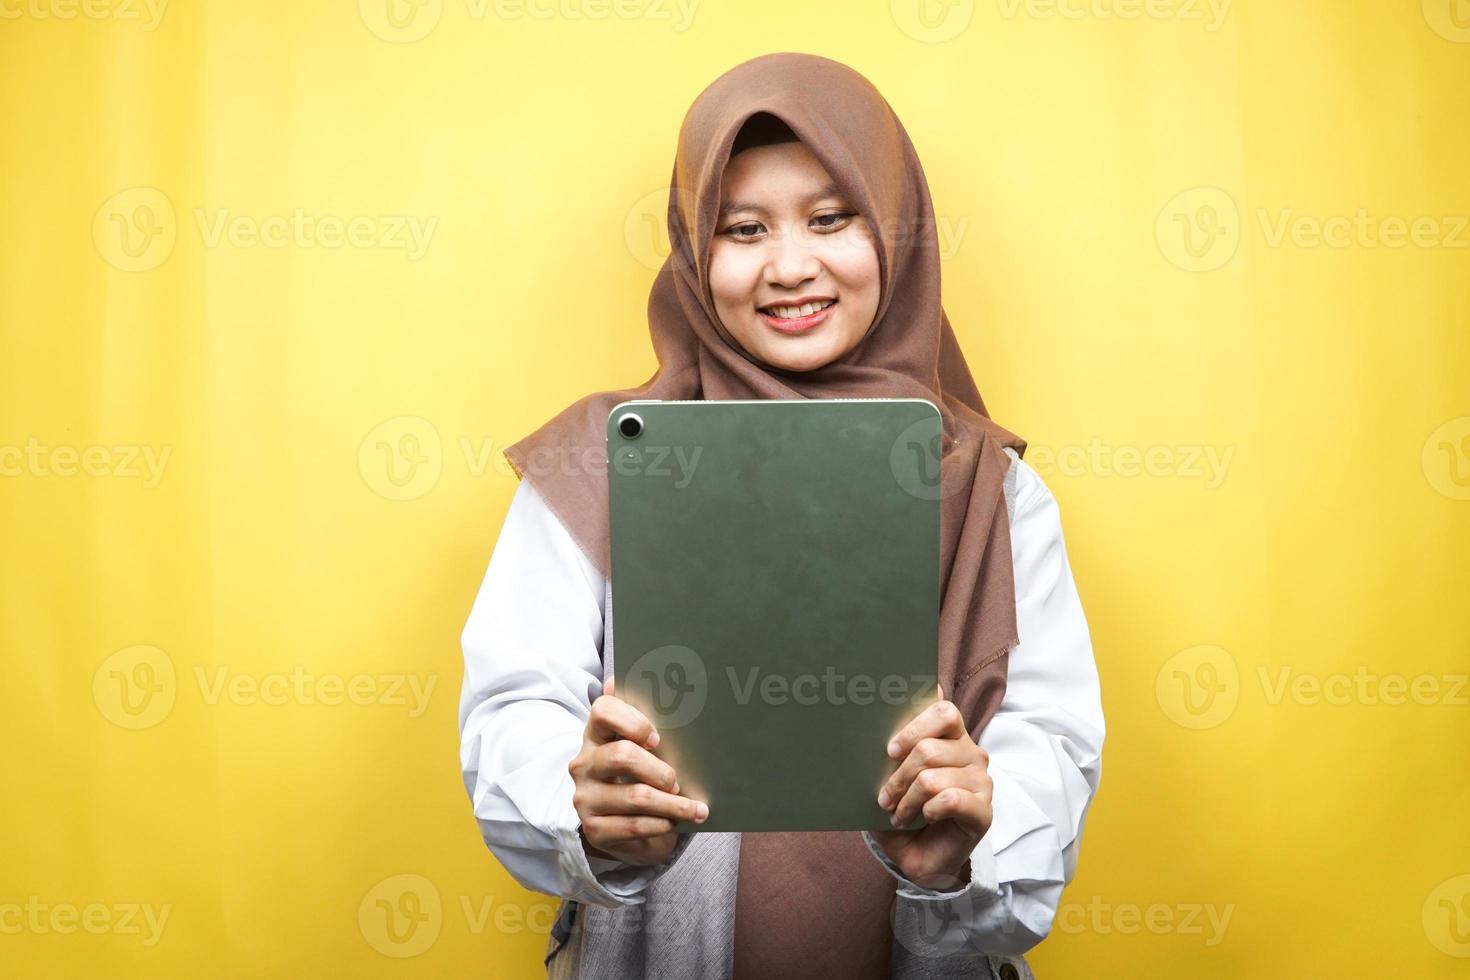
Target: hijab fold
x=818, y=904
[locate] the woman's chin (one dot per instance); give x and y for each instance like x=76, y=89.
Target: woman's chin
x=790, y=352
x=817, y=355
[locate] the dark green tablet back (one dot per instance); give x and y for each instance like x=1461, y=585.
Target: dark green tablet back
x=775, y=583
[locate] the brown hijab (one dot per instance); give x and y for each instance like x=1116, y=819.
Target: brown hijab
x=817, y=904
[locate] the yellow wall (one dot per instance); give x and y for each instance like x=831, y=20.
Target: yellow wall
x=208, y=710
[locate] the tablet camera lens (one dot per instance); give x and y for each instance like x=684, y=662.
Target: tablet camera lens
x=631, y=426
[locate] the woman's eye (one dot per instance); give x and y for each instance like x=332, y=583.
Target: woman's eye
x=838, y=218
x=745, y=230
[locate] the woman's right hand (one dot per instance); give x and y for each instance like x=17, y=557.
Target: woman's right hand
x=626, y=797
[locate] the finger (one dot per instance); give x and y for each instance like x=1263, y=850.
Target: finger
x=605, y=832
x=927, y=753
x=930, y=783
x=643, y=851
x=940, y=720
x=969, y=809
x=623, y=760
x=642, y=800
x=613, y=718
x=607, y=686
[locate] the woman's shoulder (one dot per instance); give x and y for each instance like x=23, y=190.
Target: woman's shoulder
x=530, y=519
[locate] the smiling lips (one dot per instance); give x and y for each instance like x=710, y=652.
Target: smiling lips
x=797, y=318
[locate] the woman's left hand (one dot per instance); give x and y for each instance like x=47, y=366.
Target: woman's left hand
x=944, y=775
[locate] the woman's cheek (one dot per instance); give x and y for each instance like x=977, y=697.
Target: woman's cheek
x=732, y=278
x=854, y=259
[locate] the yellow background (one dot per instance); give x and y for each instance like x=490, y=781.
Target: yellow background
x=1111, y=179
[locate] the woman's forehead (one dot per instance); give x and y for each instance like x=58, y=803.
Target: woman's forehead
x=784, y=173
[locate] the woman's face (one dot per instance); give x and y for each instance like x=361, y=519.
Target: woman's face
x=786, y=240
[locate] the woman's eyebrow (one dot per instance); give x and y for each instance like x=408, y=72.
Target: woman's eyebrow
x=831, y=190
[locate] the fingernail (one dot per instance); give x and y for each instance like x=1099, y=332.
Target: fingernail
x=676, y=788
x=893, y=820
x=893, y=748
x=652, y=742
x=883, y=799
x=701, y=812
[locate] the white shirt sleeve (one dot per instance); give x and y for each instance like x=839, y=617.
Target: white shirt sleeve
x=532, y=667
x=1045, y=745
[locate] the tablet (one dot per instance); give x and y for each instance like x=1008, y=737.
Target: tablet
x=775, y=597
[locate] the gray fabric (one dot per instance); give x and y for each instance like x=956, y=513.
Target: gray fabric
x=685, y=927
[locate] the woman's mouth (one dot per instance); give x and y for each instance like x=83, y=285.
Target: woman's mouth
x=797, y=319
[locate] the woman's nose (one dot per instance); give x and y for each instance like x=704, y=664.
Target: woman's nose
x=791, y=260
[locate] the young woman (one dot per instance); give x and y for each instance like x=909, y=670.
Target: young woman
x=804, y=265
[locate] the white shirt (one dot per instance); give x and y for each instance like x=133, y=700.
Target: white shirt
x=533, y=665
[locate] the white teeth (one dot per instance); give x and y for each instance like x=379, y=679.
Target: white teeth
x=805, y=309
